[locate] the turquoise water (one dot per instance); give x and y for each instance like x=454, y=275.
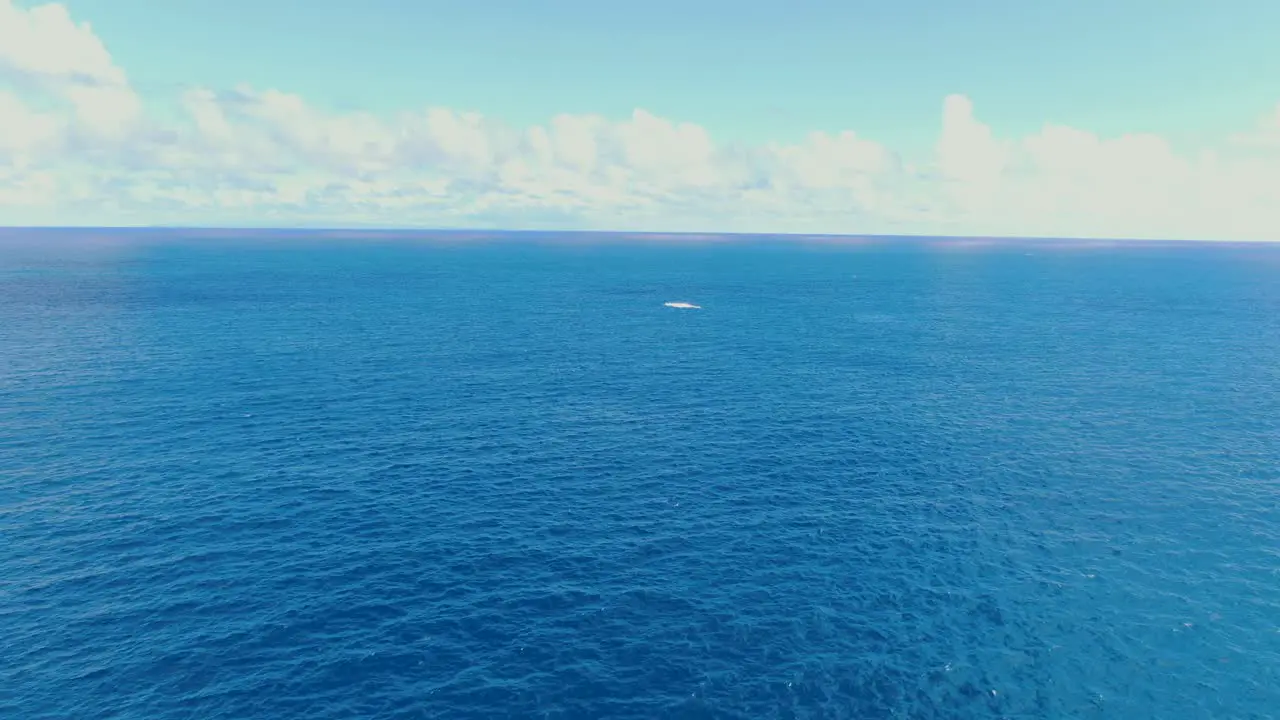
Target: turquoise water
x=293, y=476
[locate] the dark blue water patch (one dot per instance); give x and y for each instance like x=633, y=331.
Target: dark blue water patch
x=411, y=479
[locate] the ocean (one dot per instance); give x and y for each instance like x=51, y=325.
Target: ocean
x=326, y=475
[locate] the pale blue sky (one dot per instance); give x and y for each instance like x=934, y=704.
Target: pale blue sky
x=1088, y=118
x=747, y=70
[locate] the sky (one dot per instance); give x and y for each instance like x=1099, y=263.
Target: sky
x=1089, y=118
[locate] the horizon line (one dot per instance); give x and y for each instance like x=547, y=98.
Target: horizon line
x=691, y=235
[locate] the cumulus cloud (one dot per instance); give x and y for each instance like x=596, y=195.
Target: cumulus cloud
x=45, y=49
x=24, y=133
x=75, y=142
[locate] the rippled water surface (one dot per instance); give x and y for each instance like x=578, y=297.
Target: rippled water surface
x=321, y=478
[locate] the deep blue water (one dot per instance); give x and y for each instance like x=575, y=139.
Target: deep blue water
x=313, y=478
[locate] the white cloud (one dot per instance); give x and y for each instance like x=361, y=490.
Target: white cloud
x=74, y=139
x=967, y=152
x=45, y=41
x=24, y=133
x=1265, y=136
x=44, y=48
x=27, y=189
